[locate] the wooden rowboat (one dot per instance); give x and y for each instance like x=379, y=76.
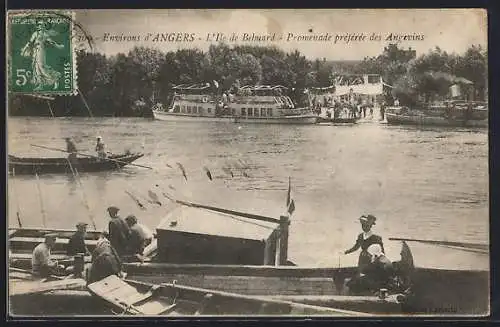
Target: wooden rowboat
x=29, y=166
x=135, y=298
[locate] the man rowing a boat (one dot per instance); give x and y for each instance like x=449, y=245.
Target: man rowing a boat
x=71, y=148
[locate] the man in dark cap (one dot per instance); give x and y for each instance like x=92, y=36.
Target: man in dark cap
x=76, y=243
x=42, y=264
x=119, y=231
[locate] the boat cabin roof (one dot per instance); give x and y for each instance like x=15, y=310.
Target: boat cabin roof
x=209, y=222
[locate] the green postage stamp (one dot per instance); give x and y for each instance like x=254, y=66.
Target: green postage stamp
x=41, y=54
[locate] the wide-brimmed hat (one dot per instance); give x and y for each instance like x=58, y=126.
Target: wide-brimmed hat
x=370, y=219
x=99, y=138
x=113, y=209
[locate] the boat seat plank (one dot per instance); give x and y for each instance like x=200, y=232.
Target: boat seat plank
x=41, y=286
x=58, y=257
x=39, y=240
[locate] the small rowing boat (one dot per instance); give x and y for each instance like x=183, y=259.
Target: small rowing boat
x=136, y=298
x=58, y=165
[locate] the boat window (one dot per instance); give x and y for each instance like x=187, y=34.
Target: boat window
x=373, y=79
x=256, y=112
x=183, y=108
x=269, y=112
x=209, y=110
x=250, y=111
x=188, y=109
x=233, y=111
x=243, y=111
x=177, y=108
x=200, y=110
x=263, y=112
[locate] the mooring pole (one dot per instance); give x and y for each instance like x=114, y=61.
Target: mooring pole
x=284, y=226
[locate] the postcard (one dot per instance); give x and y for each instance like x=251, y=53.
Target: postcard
x=248, y=162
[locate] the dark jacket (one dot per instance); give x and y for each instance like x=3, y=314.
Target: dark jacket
x=364, y=257
x=119, y=234
x=76, y=245
x=105, y=262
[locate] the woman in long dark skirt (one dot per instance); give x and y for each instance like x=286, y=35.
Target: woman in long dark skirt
x=364, y=240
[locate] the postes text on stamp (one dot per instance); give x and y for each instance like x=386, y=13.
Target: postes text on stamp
x=41, y=55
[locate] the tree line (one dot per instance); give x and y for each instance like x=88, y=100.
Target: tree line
x=130, y=84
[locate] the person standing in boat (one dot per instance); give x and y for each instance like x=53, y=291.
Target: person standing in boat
x=364, y=240
x=119, y=232
x=99, y=148
x=71, y=149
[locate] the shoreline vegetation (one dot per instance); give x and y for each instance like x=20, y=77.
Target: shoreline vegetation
x=129, y=85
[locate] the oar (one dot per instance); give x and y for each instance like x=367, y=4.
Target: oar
x=90, y=156
x=18, y=214
x=76, y=176
x=42, y=207
x=478, y=246
x=136, y=200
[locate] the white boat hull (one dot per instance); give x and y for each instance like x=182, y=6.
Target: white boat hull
x=299, y=119
x=400, y=119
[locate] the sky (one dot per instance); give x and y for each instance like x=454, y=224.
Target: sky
x=453, y=30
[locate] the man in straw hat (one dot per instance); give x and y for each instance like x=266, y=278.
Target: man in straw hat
x=365, y=239
x=119, y=231
x=41, y=263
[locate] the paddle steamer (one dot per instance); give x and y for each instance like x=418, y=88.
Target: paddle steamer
x=262, y=104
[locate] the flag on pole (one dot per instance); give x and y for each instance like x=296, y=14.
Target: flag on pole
x=290, y=203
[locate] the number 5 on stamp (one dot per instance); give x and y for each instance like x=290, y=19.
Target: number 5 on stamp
x=41, y=56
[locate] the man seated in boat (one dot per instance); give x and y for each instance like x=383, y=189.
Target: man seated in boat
x=42, y=264
x=376, y=275
x=71, y=148
x=99, y=148
x=140, y=238
x=76, y=244
x=105, y=261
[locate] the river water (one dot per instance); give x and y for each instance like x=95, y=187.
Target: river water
x=420, y=183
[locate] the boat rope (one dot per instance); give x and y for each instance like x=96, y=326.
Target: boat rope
x=85, y=103
x=76, y=176
x=42, y=207
x=18, y=213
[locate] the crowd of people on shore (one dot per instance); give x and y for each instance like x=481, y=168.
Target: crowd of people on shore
x=124, y=241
